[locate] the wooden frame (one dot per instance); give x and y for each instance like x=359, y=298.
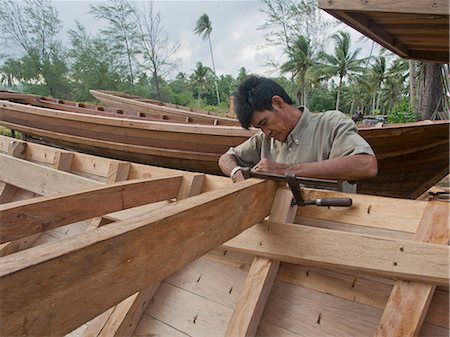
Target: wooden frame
x=351, y=244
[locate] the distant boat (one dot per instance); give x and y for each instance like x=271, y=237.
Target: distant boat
x=139, y=104
x=412, y=157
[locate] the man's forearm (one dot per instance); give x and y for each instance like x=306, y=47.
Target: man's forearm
x=227, y=162
x=343, y=168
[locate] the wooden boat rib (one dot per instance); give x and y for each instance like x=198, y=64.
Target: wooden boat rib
x=412, y=156
x=163, y=264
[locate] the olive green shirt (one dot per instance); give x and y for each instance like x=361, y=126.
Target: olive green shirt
x=316, y=137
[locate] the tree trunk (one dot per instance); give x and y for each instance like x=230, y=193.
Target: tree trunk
x=412, y=85
x=430, y=90
x=339, y=93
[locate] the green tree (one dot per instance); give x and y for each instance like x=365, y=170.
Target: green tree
x=203, y=27
x=200, y=78
x=11, y=73
x=32, y=26
x=94, y=66
x=342, y=62
x=121, y=33
x=377, y=76
x=302, y=60
x=395, y=88
x=289, y=19
x=158, y=53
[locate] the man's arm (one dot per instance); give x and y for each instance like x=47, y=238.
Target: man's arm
x=227, y=162
x=353, y=167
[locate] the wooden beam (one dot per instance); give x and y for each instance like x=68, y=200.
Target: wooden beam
x=408, y=304
x=24, y=218
x=113, y=262
x=402, y=259
x=248, y=311
x=124, y=317
x=41, y=180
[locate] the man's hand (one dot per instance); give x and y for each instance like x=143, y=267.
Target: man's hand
x=268, y=166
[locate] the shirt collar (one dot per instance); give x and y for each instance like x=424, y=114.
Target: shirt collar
x=294, y=136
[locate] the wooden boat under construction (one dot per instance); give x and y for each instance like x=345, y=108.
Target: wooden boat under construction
x=137, y=104
x=412, y=157
x=101, y=247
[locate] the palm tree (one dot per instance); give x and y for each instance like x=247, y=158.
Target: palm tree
x=377, y=75
x=199, y=78
x=395, y=86
x=342, y=62
x=302, y=60
x=203, y=27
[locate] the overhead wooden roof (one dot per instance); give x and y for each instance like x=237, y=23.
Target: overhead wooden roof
x=411, y=29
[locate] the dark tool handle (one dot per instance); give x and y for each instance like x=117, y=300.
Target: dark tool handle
x=338, y=202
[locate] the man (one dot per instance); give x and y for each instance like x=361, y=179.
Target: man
x=293, y=140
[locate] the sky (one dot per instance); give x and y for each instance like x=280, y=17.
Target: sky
x=235, y=37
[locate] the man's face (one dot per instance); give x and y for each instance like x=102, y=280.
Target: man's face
x=271, y=123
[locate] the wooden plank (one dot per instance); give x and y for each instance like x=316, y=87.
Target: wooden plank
x=126, y=256
x=369, y=211
x=408, y=304
x=33, y=215
x=364, y=289
x=311, y=313
x=39, y=179
x=402, y=259
x=125, y=316
x=247, y=313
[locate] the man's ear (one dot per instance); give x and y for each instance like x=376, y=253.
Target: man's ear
x=277, y=102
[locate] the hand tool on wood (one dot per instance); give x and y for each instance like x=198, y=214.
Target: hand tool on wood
x=294, y=182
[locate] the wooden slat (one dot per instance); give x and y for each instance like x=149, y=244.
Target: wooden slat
x=125, y=316
x=39, y=179
x=298, y=244
x=247, y=313
x=113, y=262
x=408, y=304
x=24, y=218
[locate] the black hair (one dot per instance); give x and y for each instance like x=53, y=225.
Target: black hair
x=255, y=94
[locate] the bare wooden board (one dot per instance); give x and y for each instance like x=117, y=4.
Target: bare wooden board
x=328, y=248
